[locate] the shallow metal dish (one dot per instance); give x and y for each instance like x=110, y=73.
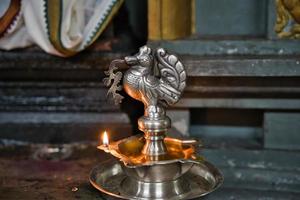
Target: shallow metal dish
x=203, y=178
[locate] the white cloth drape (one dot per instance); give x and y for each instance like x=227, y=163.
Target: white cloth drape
x=79, y=23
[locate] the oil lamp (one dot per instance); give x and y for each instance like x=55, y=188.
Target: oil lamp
x=152, y=165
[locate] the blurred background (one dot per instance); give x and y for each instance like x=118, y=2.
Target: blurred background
x=242, y=97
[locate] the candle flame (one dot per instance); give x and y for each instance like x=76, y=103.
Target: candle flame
x=105, y=139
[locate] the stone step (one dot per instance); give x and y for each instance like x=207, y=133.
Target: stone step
x=62, y=127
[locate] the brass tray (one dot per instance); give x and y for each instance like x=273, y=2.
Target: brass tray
x=203, y=178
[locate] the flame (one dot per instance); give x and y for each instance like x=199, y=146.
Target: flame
x=105, y=139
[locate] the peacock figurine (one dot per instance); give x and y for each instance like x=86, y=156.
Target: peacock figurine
x=142, y=82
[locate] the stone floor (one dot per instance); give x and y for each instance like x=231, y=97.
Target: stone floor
x=249, y=174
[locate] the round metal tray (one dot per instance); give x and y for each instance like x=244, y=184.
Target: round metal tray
x=203, y=178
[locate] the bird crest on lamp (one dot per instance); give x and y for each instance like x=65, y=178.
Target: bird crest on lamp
x=142, y=83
